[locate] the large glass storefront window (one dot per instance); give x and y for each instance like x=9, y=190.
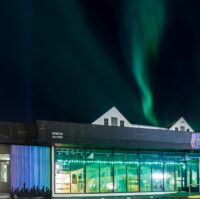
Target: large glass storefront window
x=169, y=178
x=132, y=172
x=77, y=177
x=106, y=178
x=119, y=172
x=174, y=171
x=92, y=178
x=192, y=168
x=106, y=171
x=132, y=178
x=120, y=178
x=157, y=177
x=192, y=173
x=62, y=172
x=145, y=177
x=179, y=176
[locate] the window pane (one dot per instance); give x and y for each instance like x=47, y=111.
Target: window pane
x=62, y=177
x=174, y=160
x=192, y=168
x=182, y=128
x=169, y=177
x=145, y=177
x=179, y=177
x=77, y=178
x=92, y=178
x=121, y=123
x=120, y=178
x=157, y=177
x=194, y=173
x=132, y=175
x=106, y=121
x=106, y=178
x=120, y=172
x=113, y=121
x=69, y=170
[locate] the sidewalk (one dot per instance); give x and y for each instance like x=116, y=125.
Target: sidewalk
x=131, y=196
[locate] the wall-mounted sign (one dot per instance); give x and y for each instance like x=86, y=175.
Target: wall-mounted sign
x=57, y=135
x=195, y=141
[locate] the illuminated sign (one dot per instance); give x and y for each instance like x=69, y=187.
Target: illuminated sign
x=57, y=135
x=195, y=141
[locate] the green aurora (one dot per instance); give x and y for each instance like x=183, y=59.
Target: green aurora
x=146, y=21
x=73, y=60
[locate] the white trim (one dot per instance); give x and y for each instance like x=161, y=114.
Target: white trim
x=113, y=194
x=148, y=127
x=4, y=195
x=52, y=171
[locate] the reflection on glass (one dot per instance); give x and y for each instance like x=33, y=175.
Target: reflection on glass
x=157, y=177
x=101, y=171
x=177, y=179
x=169, y=180
x=92, y=178
x=132, y=181
x=179, y=176
x=62, y=177
x=4, y=172
x=192, y=167
x=119, y=178
x=188, y=176
x=106, y=178
x=145, y=177
x=77, y=178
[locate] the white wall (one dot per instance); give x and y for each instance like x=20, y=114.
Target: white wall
x=113, y=112
x=179, y=123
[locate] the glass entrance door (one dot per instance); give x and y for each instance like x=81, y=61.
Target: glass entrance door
x=179, y=177
x=192, y=174
x=4, y=176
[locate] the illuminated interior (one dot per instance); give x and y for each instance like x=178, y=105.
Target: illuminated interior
x=105, y=171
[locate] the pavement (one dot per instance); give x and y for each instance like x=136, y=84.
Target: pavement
x=176, y=195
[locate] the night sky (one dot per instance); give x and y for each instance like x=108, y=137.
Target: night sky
x=72, y=60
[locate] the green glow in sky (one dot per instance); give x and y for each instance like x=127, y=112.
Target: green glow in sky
x=146, y=20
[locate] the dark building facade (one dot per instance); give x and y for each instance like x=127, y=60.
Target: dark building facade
x=61, y=159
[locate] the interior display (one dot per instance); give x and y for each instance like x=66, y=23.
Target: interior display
x=105, y=171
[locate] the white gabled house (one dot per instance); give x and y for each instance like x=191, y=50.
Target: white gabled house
x=113, y=118
x=181, y=125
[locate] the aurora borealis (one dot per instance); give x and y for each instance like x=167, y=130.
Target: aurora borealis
x=73, y=60
x=144, y=26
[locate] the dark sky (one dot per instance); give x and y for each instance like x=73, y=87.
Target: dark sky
x=72, y=60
